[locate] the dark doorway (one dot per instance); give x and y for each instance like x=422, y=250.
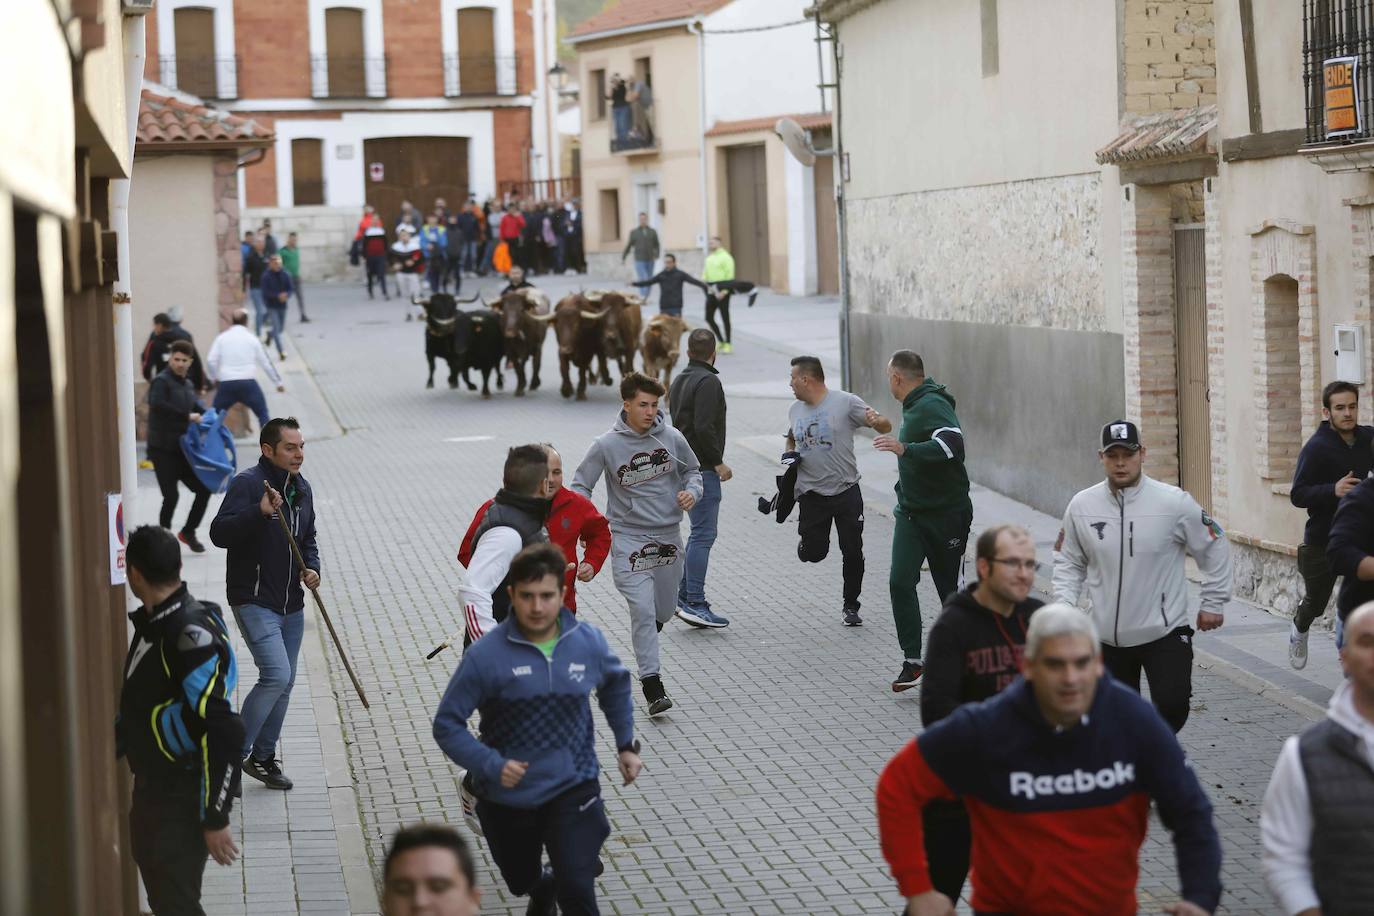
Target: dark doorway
x=747, y=186
x=417, y=169
x=827, y=234
x=307, y=172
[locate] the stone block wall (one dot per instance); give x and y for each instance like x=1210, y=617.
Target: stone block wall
x=606, y=264
x=1169, y=55
x=325, y=234
x=1267, y=575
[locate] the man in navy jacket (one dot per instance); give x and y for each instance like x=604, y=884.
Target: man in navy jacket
x=263, y=583
x=534, y=770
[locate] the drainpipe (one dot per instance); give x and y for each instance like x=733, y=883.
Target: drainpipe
x=134, y=51
x=700, y=28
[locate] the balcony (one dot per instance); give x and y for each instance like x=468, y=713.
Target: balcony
x=634, y=129
x=206, y=77
x=469, y=75
x=1338, y=52
x=334, y=76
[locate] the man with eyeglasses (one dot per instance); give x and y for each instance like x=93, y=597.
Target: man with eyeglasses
x=1126, y=539
x=975, y=650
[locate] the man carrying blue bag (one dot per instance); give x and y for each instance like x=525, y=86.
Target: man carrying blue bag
x=172, y=407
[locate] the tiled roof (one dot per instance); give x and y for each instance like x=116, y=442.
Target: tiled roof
x=630, y=13
x=1164, y=135
x=166, y=121
x=807, y=121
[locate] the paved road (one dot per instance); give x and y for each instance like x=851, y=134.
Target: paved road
x=757, y=794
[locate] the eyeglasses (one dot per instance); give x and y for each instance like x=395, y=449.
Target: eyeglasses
x=1027, y=565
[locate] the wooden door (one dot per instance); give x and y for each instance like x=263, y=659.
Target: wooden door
x=307, y=172
x=476, y=51
x=343, y=36
x=1194, y=409
x=417, y=169
x=195, y=50
x=827, y=233
x=747, y=186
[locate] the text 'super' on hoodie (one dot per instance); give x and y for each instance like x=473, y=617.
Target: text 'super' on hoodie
x=644, y=473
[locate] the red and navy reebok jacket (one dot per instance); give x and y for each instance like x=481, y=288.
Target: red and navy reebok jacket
x=1058, y=815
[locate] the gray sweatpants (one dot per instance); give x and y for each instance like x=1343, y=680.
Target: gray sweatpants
x=647, y=569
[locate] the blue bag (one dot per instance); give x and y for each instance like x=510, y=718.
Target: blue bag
x=209, y=447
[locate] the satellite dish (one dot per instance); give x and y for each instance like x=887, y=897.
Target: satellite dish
x=796, y=141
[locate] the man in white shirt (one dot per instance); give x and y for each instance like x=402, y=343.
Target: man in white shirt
x=233, y=361
x=1317, y=823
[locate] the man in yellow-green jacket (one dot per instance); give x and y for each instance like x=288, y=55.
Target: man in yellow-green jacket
x=719, y=275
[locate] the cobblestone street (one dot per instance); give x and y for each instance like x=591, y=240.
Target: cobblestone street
x=757, y=795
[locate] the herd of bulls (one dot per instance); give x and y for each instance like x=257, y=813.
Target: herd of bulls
x=593, y=329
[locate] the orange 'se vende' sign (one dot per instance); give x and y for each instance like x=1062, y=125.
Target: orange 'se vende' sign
x=1342, y=104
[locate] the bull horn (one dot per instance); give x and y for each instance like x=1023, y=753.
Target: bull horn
x=473, y=299
x=593, y=316
x=419, y=300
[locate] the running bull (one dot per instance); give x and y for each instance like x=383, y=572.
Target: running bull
x=524, y=317
x=580, y=333
x=660, y=347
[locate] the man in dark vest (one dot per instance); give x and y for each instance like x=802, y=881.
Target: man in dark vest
x=1317, y=822
x=513, y=521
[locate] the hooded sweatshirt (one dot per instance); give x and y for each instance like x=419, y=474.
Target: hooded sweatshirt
x=1349, y=541
x=644, y=473
x=1324, y=460
x=974, y=653
x=1286, y=821
x=930, y=473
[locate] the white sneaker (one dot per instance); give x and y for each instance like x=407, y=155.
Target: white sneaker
x=469, y=803
x=1297, y=647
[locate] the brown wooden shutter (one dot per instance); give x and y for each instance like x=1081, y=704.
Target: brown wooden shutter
x=195, y=50
x=476, y=51
x=343, y=36
x=307, y=172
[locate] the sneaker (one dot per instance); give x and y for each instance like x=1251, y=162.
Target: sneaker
x=268, y=772
x=726, y=347
x=281, y=356
x=543, y=896
x=701, y=617
x=657, y=698
x=189, y=539
x=236, y=790
x=304, y=320
x=851, y=616
x=468, y=798
x=911, y=673
x=1297, y=647
x=752, y=296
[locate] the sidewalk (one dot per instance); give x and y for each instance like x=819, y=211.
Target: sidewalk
x=302, y=850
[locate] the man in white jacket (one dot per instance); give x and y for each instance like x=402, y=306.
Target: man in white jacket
x=1317, y=823
x=1125, y=539
x=233, y=362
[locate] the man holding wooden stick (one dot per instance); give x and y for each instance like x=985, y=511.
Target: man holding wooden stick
x=264, y=581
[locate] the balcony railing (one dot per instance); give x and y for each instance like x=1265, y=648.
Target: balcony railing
x=480, y=75
x=1337, y=29
x=207, y=77
x=634, y=128
x=334, y=76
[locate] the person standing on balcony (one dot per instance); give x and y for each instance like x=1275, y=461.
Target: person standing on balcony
x=620, y=108
x=643, y=242
x=642, y=104
x=291, y=260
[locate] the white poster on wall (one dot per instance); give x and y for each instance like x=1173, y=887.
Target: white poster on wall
x=114, y=507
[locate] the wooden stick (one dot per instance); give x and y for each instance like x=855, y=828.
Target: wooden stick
x=319, y=602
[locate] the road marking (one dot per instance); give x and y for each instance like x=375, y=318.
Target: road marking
x=469, y=438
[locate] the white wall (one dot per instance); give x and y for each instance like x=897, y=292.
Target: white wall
x=760, y=74
x=345, y=179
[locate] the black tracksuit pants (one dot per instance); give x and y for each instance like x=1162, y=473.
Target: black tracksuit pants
x=846, y=510
x=1319, y=580
x=171, y=468
x=169, y=848
x=1168, y=664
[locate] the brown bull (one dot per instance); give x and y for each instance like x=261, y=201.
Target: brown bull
x=623, y=327
x=524, y=317
x=579, y=330
x=662, y=336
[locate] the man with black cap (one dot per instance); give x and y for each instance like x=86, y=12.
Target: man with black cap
x=1126, y=538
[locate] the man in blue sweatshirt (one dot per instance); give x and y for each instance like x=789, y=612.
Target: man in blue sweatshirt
x=534, y=769
x=1334, y=460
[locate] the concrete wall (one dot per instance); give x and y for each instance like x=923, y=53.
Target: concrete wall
x=325, y=234
x=778, y=65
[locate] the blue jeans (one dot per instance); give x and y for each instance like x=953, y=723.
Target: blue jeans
x=244, y=391
x=259, y=308
x=472, y=255
x=704, y=516
x=274, y=640
x=276, y=324
x=620, y=117
x=485, y=267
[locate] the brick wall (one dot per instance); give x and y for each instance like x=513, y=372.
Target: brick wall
x=260, y=178
x=511, y=138
x=1147, y=275
x=1169, y=55
x=414, y=48
x=524, y=47
x=273, y=46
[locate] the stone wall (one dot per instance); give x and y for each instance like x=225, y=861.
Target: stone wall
x=605, y=264
x=1270, y=579
x=1169, y=55
x=1019, y=253
x=325, y=236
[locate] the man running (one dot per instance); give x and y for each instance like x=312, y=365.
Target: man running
x=1058, y=772
x=933, y=512
x=535, y=771
x=233, y=361
x=172, y=407
x=719, y=276
x=1330, y=465
x=1126, y=538
x=821, y=428
x=670, y=281
x=975, y=652
x=652, y=477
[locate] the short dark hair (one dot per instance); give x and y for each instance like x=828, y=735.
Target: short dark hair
x=526, y=467
x=1336, y=388
x=810, y=365
x=636, y=382
x=442, y=836
x=155, y=553
x=271, y=430
x=701, y=343
x=986, y=547
x=908, y=363
x=670, y=255
x=183, y=347
x=163, y=319
x=537, y=562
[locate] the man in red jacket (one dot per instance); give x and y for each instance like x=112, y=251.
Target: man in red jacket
x=572, y=518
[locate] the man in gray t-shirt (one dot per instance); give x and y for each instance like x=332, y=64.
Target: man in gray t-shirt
x=821, y=429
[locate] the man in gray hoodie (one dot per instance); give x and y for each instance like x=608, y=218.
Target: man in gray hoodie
x=652, y=477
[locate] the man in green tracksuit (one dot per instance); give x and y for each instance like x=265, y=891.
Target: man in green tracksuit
x=933, y=512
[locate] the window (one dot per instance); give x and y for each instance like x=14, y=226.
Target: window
x=344, y=64
x=610, y=215
x=307, y=172
x=596, y=81
x=195, y=50
x=1282, y=394
x=1338, y=28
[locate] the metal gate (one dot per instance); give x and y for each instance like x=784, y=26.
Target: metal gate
x=1194, y=407
x=417, y=169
